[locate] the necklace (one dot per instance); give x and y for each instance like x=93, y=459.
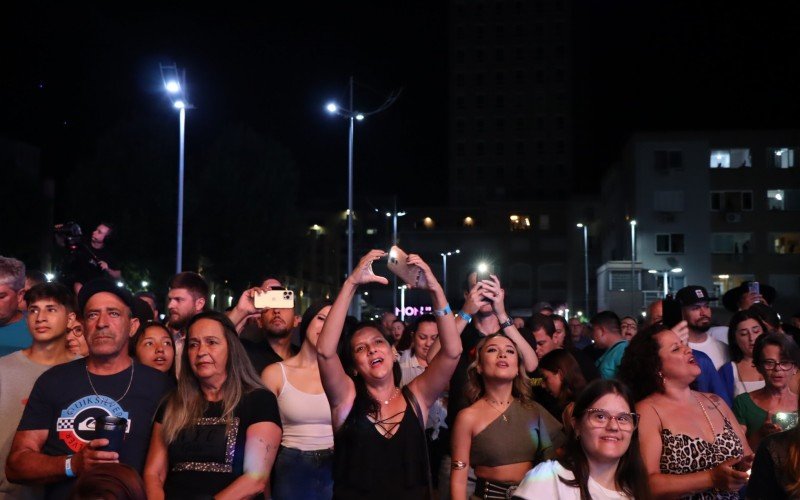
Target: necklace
x=493, y=402
x=702, y=407
x=130, y=382
x=394, y=395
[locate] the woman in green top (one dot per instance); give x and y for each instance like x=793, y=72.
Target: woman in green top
x=772, y=408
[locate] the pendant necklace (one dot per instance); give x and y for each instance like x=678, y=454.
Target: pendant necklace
x=130, y=382
x=493, y=402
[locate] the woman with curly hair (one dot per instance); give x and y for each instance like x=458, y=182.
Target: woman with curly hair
x=504, y=432
x=601, y=459
x=691, y=444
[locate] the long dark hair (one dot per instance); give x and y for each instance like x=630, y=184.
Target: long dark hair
x=641, y=363
x=363, y=403
x=309, y=316
x=572, y=379
x=631, y=476
x=733, y=347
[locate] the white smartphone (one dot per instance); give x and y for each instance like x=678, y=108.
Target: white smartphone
x=274, y=299
x=412, y=275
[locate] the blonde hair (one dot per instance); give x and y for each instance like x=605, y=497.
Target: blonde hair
x=186, y=403
x=475, y=388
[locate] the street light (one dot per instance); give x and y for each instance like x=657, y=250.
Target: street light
x=585, y=264
x=445, y=255
x=351, y=115
x=402, y=301
x=175, y=85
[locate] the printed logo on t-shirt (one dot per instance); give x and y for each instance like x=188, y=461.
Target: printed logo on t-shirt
x=76, y=425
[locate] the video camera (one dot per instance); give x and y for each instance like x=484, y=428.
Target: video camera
x=69, y=235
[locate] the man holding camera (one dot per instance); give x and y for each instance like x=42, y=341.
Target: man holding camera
x=91, y=261
x=55, y=441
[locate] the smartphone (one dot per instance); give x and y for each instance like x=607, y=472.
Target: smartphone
x=754, y=287
x=671, y=313
x=274, y=299
x=483, y=272
x=785, y=420
x=412, y=275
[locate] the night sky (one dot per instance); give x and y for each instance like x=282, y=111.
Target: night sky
x=72, y=72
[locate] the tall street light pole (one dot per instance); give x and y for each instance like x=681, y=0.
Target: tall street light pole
x=633, y=260
x=351, y=115
x=175, y=84
x=585, y=266
x=445, y=255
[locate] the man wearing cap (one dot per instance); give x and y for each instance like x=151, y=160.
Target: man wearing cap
x=55, y=441
x=697, y=314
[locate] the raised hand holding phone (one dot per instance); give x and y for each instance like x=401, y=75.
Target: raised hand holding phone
x=411, y=274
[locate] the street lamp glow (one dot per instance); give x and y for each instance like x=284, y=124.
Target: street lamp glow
x=120, y=284
x=179, y=104
x=633, y=222
x=50, y=277
x=388, y=214
x=359, y=116
x=652, y=271
x=677, y=270
x=173, y=87
x=332, y=107
x=579, y=224
x=144, y=284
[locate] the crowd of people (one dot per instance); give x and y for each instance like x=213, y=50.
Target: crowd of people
x=103, y=396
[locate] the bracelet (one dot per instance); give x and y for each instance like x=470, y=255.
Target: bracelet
x=466, y=317
x=505, y=324
x=458, y=465
x=443, y=312
x=68, y=467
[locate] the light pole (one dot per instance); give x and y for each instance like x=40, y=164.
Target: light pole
x=445, y=255
x=666, y=272
x=175, y=84
x=633, y=259
x=351, y=115
x=585, y=266
x=402, y=302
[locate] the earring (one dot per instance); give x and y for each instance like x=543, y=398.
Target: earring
x=661, y=376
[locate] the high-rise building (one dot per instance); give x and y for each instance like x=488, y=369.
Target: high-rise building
x=510, y=118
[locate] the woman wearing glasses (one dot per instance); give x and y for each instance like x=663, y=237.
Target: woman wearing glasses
x=690, y=442
x=773, y=408
x=601, y=458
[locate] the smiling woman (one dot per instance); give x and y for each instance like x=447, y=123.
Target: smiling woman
x=219, y=397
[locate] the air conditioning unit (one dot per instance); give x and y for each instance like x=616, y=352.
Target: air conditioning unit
x=733, y=217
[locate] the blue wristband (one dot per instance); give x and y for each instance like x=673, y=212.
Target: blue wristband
x=68, y=467
x=466, y=317
x=443, y=312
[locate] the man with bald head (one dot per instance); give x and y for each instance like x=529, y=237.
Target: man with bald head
x=55, y=440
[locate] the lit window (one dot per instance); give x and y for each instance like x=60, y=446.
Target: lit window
x=730, y=158
x=783, y=199
x=781, y=157
x=519, y=222
x=785, y=243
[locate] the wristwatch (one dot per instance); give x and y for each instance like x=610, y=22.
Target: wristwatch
x=68, y=467
x=505, y=324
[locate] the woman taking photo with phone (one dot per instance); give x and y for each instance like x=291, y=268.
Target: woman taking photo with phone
x=601, y=458
x=691, y=445
x=218, y=432
x=304, y=467
x=772, y=408
x=379, y=436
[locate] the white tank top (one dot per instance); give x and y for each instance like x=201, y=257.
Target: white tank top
x=306, y=418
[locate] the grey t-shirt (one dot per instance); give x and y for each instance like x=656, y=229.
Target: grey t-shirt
x=17, y=376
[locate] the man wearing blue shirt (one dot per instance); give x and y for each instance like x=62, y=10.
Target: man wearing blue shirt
x=13, y=328
x=607, y=334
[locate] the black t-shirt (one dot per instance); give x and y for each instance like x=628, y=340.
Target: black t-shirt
x=207, y=457
x=84, y=267
x=262, y=355
x=63, y=403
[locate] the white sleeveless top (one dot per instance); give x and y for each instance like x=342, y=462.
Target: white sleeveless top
x=306, y=418
x=740, y=386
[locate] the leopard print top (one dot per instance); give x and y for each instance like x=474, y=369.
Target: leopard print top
x=682, y=454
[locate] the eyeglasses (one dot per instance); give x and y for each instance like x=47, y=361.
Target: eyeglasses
x=600, y=418
x=771, y=364
x=77, y=331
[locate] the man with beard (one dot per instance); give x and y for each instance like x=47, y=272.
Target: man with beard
x=697, y=314
x=188, y=294
x=276, y=324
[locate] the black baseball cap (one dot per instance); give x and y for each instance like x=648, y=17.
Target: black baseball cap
x=106, y=285
x=690, y=295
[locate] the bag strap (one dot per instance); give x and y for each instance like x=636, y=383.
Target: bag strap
x=415, y=406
